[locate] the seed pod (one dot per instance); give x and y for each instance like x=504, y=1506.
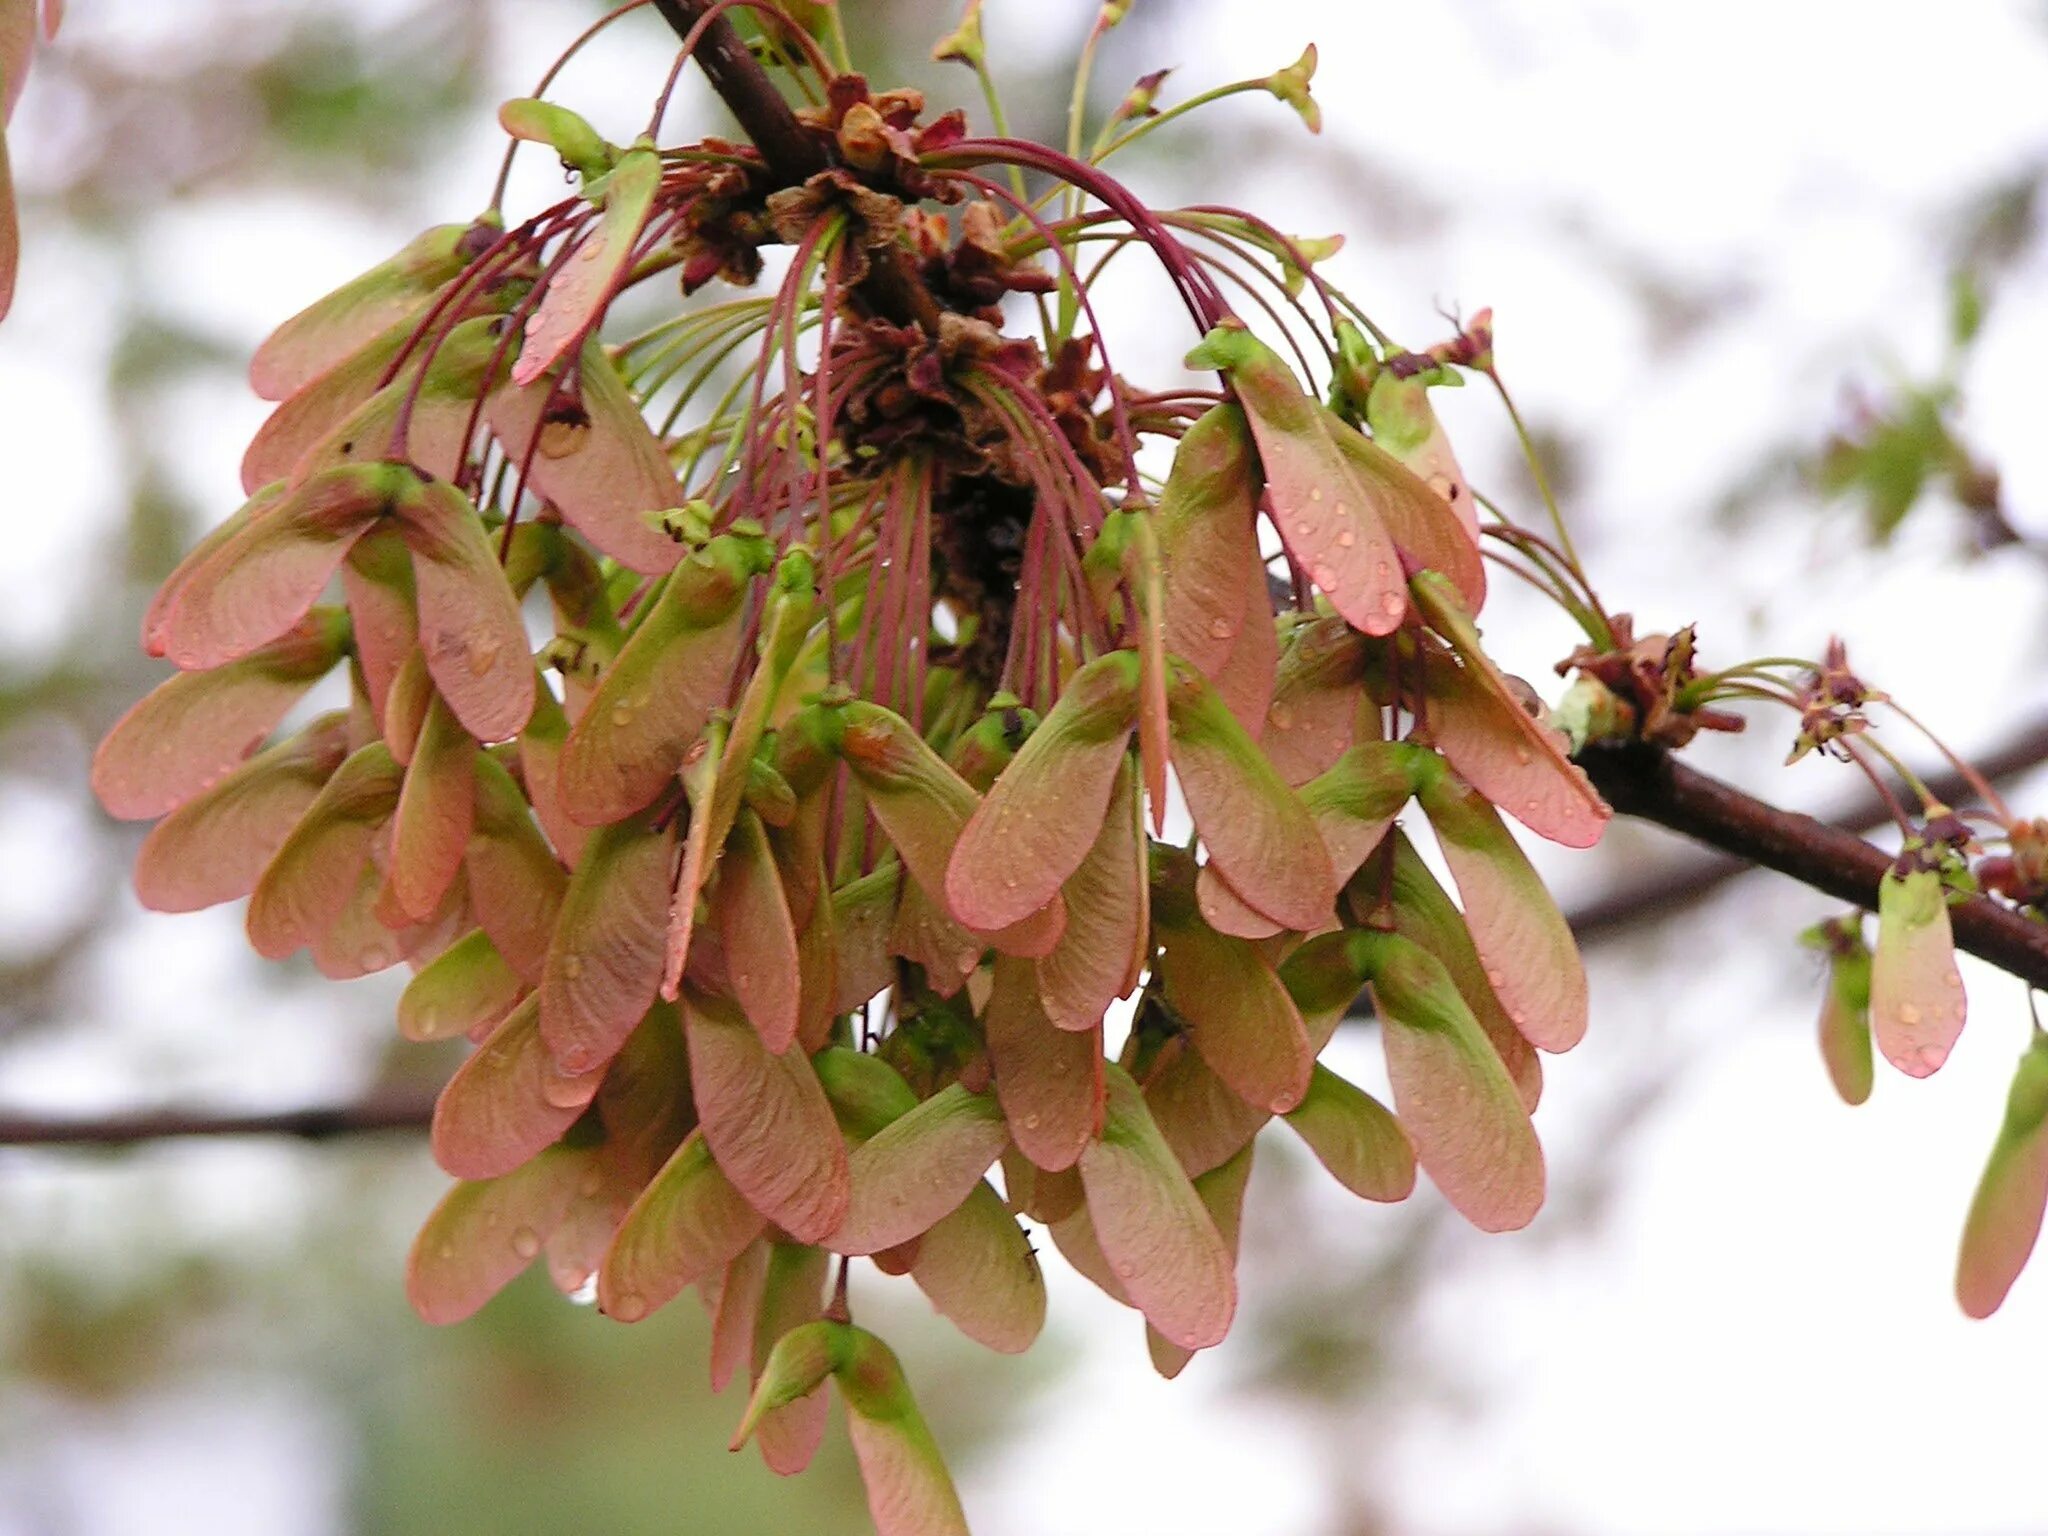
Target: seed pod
x=1047, y=1079
x=309, y=882
x=604, y=966
x=579, y=287
x=1845, y=1009
x=1222, y=1193
x=918, y=1169
x=468, y=986
x=1478, y=723
x=485, y=1233
x=261, y=580
x=506, y=1103
x=1423, y=913
x=733, y=1298
x=436, y=811
x=1454, y=1097
x=789, y=1434
x=1317, y=695
x=1259, y=835
x=757, y=934
x=1419, y=519
x=579, y=145
x=909, y=1492
x=193, y=729
x=1208, y=541
x=309, y=415
x=1406, y=426
x=687, y=1223
x=424, y=416
x=1204, y=1121
x=1356, y=1137
x=1160, y=1241
x=470, y=628
x=156, y=618
x=801, y=1361
x=516, y=885
x=766, y=1121
x=1041, y=817
x=1107, y=940
x=589, y=450
x=2005, y=1215
x=1239, y=1016
x=1532, y=962
x=395, y=291
x=656, y=697
x=1916, y=993
x=925, y=807
x=978, y=1270
x=215, y=847
x=1328, y=515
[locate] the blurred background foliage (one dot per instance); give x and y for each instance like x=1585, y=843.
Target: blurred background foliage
x=236, y=1309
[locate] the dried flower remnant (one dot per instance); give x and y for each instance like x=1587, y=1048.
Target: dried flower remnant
x=787, y=884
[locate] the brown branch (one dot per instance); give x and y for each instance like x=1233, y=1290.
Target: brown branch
x=790, y=150
x=390, y=1109
x=891, y=289
x=1659, y=896
x=1650, y=783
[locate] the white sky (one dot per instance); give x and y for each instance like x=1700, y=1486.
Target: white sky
x=1760, y=1336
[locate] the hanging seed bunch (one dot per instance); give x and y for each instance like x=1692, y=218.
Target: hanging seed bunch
x=811, y=887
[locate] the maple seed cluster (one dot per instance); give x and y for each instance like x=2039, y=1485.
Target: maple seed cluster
x=808, y=891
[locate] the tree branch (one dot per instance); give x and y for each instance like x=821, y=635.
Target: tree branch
x=391, y=1109
x=891, y=289
x=1659, y=896
x=791, y=152
x=1649, y=783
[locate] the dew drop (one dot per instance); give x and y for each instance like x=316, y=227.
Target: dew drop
x=590, y=250
x=1391, y=604
x=1125, y=1269
x=491, y=1219
x=1031, y=1122
x=1909, y=1014
x=1221, y=629
x=373, y=959
x=1315, y=493
x=1323, y=576
x=622, y=716
x=572, y=966
x=1494, y=979
x=629, y=1308
x=1524, y=756
x=429, y=1021
x=446, y=1251
x=526, y=1242
x=1280, y=717
x=1346, y=538
x=1952, y=981
x=1932, y=1056
x=483, y=654
x=1442, y=485
x=1303, y=530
